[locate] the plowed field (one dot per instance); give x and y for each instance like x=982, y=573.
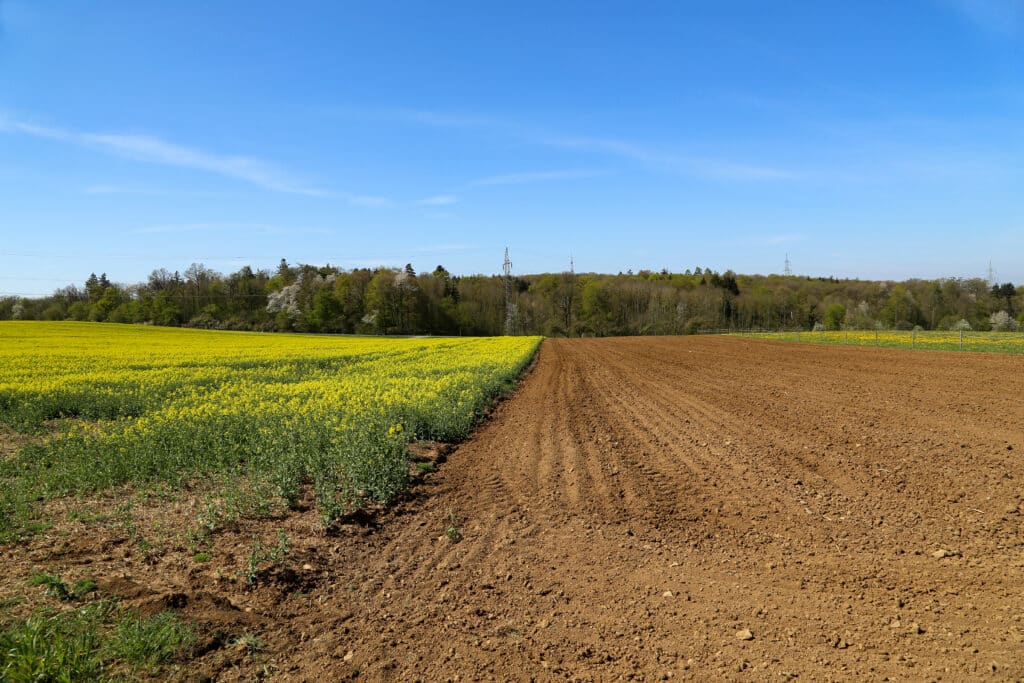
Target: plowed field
x=697, y=508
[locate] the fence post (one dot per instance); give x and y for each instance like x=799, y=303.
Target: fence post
x=913, y=338
x=876, y=336
x=961, y=339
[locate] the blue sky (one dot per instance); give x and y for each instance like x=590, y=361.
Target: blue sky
x=864, y=139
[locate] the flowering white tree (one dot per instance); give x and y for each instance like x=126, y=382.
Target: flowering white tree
x=1002, y=321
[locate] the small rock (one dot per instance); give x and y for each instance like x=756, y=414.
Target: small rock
x=940, y=553
x=308, y=567
x=667, y=594
x=916, y=628
x=348, y=656
x=744, y=634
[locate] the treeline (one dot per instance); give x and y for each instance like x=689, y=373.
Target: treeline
x=308, y=298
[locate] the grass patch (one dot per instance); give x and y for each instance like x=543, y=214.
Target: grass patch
x=98, y=641
x=936, y=340
x=56, y=588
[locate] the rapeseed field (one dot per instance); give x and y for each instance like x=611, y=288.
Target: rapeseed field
x=136, y=405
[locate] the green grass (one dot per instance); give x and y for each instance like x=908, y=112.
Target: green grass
x=937, y=340
x=56, y=588
x=98, y=641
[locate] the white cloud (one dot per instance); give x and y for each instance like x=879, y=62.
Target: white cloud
x=109, y=189
x=249, y=228
x=205, y=227
x=717, y=169
x=150, y=149
x=443, y=248
x=997, y=16
x=367, y=201
x=439, y=200
x=763, y=241
x=445, y=120
x=534, y=177
x=103, y=190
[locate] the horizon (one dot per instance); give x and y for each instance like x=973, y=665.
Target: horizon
x=869, y=142
x=687, y=272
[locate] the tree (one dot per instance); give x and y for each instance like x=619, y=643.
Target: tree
x=834, y=317
x=1002, y=321
x=1005, y=294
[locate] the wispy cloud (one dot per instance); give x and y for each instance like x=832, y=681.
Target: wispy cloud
x=998, y=16
x=534, y=177
x=111, y=189
x=368, y=201
x=762, y=241
x=443, y=248
x=115, y=189
x=154, y=150
x=248, y=228
x=447, y=120
x=699, y=166
x=204, y=227
x=717, y=169
x=439, y=200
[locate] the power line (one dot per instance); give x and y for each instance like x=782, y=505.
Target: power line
x=510, y=312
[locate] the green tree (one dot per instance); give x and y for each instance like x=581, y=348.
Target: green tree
x=834, y=316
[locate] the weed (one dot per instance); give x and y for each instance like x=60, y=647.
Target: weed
x=88, y=643
x=56, y=588
x=253, y=567
x=87, y=516
x=281, y=549
x=200, y=558
x=148, y=550
x=12, y=601
x=126, y=520
x=150, y=642
x=247, y=641
x=55, y=645
x=453, y=532
x=258, y=555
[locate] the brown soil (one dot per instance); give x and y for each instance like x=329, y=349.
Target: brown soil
x=640, y=509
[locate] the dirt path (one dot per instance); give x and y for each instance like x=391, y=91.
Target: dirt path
x=696, y=508
x=642, y=504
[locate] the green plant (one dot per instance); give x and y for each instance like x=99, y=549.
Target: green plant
x=55, y=645
x=56, y=588
x=149, y=641
x=281, y=549
x=147, y=549
x=253, y=420
x=258, y=555
x=253, y=565
x=88, y=643
x=200, y=558
x=247, y=641
x=453, y=532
